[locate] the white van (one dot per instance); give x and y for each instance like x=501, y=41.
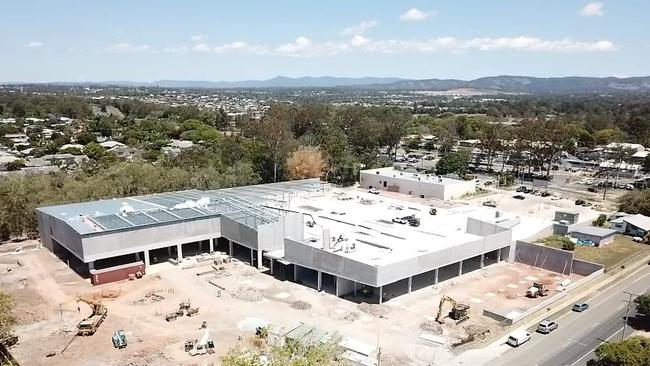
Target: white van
x=518, y=338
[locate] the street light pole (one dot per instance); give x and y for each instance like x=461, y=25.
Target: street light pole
x=627, y=313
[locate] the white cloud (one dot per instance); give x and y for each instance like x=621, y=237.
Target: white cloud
x=126, y=47
x=592, y=10
x=300, y=47
x=360, y=28
x=241, y=47
x=35, y=44
x=359, y=41
x=180, y=50
x=198, y=38
x=201, y=48
x=416, y=15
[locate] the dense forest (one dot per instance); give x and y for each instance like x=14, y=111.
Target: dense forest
x=291, y=140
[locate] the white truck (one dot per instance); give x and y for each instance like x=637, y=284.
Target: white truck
x=518, y=337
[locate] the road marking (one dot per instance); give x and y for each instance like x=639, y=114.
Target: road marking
x=588, y=353
x=580, y=343
x=595, y=324
x=620, y=307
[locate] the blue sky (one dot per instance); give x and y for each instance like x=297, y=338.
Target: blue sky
x=147, y=40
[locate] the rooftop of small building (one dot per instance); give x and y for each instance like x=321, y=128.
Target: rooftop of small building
x=391, y=172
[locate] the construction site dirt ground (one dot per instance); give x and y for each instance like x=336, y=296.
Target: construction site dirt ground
x=45, y=291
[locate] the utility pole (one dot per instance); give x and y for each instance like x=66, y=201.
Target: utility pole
x=606, y=184
x=627, y=313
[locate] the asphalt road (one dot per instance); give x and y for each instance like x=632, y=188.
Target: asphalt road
x=573, y=343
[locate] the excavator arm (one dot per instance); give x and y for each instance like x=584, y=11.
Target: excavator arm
x=443, y=300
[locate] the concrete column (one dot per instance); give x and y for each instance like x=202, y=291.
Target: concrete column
x=295, y=273
x=271, y=266
x=169, y=251
x=91, y=266
x=212, y=245
x=230, y=248
x=460, y=268
x=355, y=288
x=137, y=256
x=252, y=256
x=498, y=255
x=381, y=294
x=482, y=260
x=435, y=278
x=337, y=286
x=259, y=259
x=179, y=251
x=410, y=284
x=200, y=246
x=319, y=285
x=146, y=258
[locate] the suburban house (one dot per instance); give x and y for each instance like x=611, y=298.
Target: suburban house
x=635, y=225
x=597, y=235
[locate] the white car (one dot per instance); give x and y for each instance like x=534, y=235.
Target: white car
x=518, y=338
x=373, y=191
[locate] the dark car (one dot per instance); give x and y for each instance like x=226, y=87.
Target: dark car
x=592, y=190
x=519, y=197
x=522, y=189
x=580, y=307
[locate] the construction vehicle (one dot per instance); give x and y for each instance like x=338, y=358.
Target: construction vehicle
x=200, y=347
x=90, y=325
x=119, y=339
x=171, y=316
x=186, y=304
x=538, y=289
x=458, y=311
x=191, y=311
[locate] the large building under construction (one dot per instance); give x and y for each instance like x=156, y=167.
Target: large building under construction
x=341, y=241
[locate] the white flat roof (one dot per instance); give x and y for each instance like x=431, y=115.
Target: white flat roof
x=365, y=220
x=391, y=172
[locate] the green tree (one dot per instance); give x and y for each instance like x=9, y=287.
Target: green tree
x=635, y=202
x=454, y=162
x=643, y=305
x=85, y=138
x=646, y=163
x=290, y=354
x=94, y=151
x=600, y=221
x=634, y=351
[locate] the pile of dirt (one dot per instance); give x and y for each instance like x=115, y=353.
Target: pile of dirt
x=431, y=326
x=373, y=309
x=351, y=316
x=145, y=358
x=249, y=294
x=301, y=305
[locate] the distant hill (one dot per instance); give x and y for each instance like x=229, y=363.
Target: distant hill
x=531, y=85
x=491, y=84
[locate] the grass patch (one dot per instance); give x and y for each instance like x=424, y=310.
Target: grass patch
x=612, y=255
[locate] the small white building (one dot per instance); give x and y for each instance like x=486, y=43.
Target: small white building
x=416, y=184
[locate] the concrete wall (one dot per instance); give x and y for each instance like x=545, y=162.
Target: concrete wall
x=321, y=260
x=551, y=259
x=429, y=188
x=584, y=268
x=53, y=228
x=239, y=233
x=112, y=244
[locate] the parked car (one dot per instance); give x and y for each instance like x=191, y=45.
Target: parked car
x=522, y=189
x=373, y=191
x=518, y=338
x=545, y=194
x=546, y=326
x=399, y=220
x=592, y=190
x=490, y=204
x=519, y=197
x=580, y=307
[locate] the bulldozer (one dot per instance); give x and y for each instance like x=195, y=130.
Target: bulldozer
x=458, y=312
x=538, y=289
x=89, y=325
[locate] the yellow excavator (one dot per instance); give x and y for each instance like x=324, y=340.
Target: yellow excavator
x=458, y=311
x=90, y=325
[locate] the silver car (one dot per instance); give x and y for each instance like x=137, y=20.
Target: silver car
x=546, y=326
